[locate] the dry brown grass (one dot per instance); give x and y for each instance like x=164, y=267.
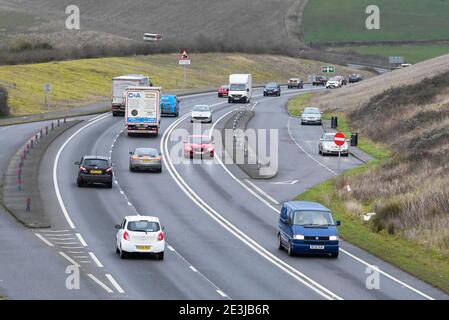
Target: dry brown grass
x=409, y=111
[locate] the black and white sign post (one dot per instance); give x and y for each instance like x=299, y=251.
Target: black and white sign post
x=339, y=140
x=47, y=90
x=184, y=61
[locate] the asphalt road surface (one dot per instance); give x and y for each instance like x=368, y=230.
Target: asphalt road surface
x=220, y=226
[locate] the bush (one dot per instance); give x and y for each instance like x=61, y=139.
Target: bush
x=4, y=109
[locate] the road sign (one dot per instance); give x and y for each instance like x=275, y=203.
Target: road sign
x=47, y=87
x=184, y=62
x=339, y=139
x=328, y=69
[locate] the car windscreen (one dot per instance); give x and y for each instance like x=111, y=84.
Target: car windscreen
x=329, y=137
x=147, y=152
x=311, y=111
x=314, y=218
x=143, y=226
x=99, y=163
x=271, y=86
x=199, y=140
x=237, y=87
x=334, y=79
x=201, y=108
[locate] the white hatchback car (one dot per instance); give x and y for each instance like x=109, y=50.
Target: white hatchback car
x=201, y=113
x=140, y=234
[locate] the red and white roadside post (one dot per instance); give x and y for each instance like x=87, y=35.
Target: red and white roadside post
x=339, y=140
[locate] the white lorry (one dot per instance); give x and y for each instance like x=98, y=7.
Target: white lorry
x=240, y=88
x=119, y=84
x=143, y=110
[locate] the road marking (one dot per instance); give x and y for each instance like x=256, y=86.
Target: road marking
x=114, y=283
x=193, y=268
x=65, y=243
x=230, y=173
x=80, y=257
x=73, y=262
x=296, y=274
x=291, y=182
x=72, y=247
x=221, y=293
x=95, y=259
x=171, y=248
x=55, y=169
x=307, y=153
x=81, y=239
x=266, y=195
x=387, y=275
x=53, y=231
x=101, y=284
x=60, y=239
x=44, y=240
x=277, y=211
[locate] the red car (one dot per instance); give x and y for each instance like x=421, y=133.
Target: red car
x=198, y=146
x=223, y=91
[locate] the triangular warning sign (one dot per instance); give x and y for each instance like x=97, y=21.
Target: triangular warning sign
x=184, y=55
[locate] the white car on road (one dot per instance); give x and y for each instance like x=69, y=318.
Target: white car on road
x=311, y=115
x=140, y=234
x=327, y=145
x=201, y=113
x=334, y=82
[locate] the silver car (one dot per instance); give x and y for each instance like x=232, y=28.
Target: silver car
x=145, y=159
x=201, y=113
x=311, y=115
x=327, y=146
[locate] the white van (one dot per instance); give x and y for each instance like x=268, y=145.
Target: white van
x=240, y=88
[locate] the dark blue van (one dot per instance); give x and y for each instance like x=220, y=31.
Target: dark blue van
x=170, y=105
x=307, y=228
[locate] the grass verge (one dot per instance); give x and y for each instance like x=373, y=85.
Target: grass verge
x=80, y=82
x=297, y=104
x=430, y=265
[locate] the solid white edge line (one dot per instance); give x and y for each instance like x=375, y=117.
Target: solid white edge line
x=95, y=259
x=221, y=293
x=388, y=275
x=73, y=262
x=48, y=243
x=266, y=195
x=305, y=152
x=302, y=278
x=310, y=156
x=55, y=169
x=114, y=283
x=193, y=268
x=101, y=284
x=230, y=173
x=81, y=239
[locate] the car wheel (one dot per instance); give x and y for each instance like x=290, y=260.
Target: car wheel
x=229, y=100
x=109, y=185
x=117, y=250
x=159, y=170
x=80, y=183
x=177, y=114
x=334, y=255
x=131, y=168
x=280, y=246
x=123, y=254
x=319, y=151
x=290, y=250
x=114, y=114
x=160, y=255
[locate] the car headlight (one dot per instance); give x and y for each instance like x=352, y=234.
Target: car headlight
x=333, y=238
x=299, y=237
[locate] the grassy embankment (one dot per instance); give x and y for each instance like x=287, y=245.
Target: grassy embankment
x=430, y=264
x=80, y=82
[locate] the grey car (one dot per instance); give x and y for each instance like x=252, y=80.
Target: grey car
x=311, y=115
x=148, y=159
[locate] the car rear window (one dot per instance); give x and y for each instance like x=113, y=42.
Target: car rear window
x=199, y=140
x=201, y=108
x=146, y=152
x=143, y=226
x=99, y=163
